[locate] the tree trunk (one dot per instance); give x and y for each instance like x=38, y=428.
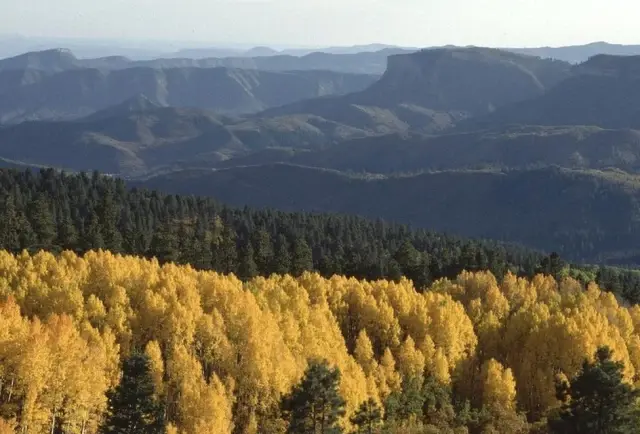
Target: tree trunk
x=53, y=421
x=10, y=390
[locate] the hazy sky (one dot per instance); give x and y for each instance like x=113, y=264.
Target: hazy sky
x=331, y=22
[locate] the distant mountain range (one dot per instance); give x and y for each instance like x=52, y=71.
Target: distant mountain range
x=474, y=141
x=57, y=60
x=580, y=53
x=432, y=90
x=79, y=92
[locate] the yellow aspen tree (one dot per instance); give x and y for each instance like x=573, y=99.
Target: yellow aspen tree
x=202, y=408
x=499, y=386
x=156, y=365
x=364, y=353
x=410, y=360
x=14, y=330
x=451, y=328
x=518, y=291
x=388, y=379
x=34, y=370
x=439, y=367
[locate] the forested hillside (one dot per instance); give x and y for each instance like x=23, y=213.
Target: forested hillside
x=206, y=353
x=56, y=211
x=547, y=208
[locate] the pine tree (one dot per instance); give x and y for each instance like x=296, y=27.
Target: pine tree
x=10, y=226
x=282, y=258
x=315, y=405
x=164, y=244
x=92, y=238
x=226, y=252
x=597, y=401
x=302, y=259
x=552, y=265
x=248, y=268
x=133, y=407
x=42, y=221
x=109, y=215
x=368, y=417
x=67, y=233
x=408, y=402
x=263, y=248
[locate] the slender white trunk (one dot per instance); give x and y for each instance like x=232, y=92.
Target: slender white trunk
x=53, y=421
x=11, y=390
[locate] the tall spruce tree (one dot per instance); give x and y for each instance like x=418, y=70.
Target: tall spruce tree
x=133, y=407
x=315, y=405
x=302, y=259
x=282, y=258
x=42, y=221
x=247, y=268
x=368, y=418
x=597, y=401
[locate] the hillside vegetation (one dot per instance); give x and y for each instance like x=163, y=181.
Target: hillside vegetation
x=223, y=354
x=569, y=211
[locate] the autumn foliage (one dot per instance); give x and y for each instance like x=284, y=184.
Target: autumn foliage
x=223, y=353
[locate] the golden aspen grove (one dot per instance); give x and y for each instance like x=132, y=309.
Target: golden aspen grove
x=223, y=352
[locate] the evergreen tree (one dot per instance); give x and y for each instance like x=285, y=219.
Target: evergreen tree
x=109, y=214
x=248, y=268
x=67, y=237
x=10, y=226
x=226, y=252
x=133, y=408
x=42, y=221
x=408, y=402
x=597, y=401
x=282, y=258
x=263, y=248
x=302, y=259
x=315, y=405
x=552, y=265
x=92, y=239
x=368, y=417
x=164, y=244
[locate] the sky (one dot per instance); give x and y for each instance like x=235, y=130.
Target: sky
x=315, y=23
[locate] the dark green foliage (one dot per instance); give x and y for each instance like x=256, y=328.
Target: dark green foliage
x=10, y=225
x=247, y=268
x=302, y=259
x=437, y=409
x=132, y=406
x=597, y=401
x=552, y=265
x=368, y=417
x=408, y=403
x=426, y=405
x=314, y=406
x=263, y=249
x=39, y=212
x=201, y=232
x=282, y=258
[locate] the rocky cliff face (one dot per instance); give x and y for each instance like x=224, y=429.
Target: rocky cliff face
x=473, y=80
